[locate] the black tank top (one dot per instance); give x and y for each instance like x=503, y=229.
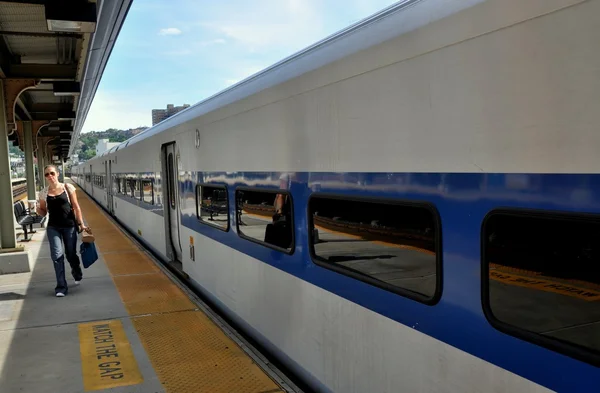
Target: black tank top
x=61, y=213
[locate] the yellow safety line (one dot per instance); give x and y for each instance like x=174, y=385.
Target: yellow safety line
x=545, y=285
x=188, y=351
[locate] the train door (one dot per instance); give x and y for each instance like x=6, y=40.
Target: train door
x=171, y=196
x=109, y=187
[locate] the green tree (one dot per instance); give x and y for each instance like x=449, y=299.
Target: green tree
x=86, y=146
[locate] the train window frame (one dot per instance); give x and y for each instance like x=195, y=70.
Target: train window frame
x=406, y=293
x=254, y=240
x=561, y=347
x=213, y=185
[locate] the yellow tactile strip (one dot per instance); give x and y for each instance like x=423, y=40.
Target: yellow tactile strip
x=195, y=359
x=129, y=262
x=188, y=351
x=151, y=293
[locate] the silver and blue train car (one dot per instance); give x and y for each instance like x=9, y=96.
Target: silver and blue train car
x=411, y=205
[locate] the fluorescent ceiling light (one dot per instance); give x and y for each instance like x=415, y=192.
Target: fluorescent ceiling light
x=69, y=26
x=65, y=94
x=62, y=89
x=71, y=16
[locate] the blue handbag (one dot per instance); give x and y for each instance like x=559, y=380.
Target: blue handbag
x=89, y=255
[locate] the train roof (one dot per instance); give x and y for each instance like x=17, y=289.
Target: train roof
x=373, y=30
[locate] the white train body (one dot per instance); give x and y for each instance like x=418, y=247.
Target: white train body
x=495, y=102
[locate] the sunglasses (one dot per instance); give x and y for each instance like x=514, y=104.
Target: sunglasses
x=49, y=173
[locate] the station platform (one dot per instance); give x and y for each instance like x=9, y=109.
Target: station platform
x=130, y=326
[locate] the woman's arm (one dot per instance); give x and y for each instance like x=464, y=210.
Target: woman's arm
x=75, y=204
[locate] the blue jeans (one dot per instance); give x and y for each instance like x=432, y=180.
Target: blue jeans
x=56, y=236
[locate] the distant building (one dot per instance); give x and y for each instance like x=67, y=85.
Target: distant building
x=159, y=115
x=104, y=145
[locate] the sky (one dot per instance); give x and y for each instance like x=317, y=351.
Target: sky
x=183, y=51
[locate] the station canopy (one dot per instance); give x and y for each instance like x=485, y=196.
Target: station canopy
x=57, y=51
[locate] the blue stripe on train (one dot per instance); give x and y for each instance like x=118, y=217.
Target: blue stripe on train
x=462, y=201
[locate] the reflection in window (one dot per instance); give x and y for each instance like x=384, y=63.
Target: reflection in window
x=390, y=245
x=544, y=276
x=212, y=206
x=134, y=188
x=147, y=191
x=171, y=180
x=157, y=190
x=266, y=217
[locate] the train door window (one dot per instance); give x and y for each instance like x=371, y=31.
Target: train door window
x=541, y=279
x=171, y=180
x=266, y=217
x=148, y=191
x=134, y=188
x=389, y=244
x=212, y=207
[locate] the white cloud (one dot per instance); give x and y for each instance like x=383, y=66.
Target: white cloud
x=218, y=41
x=116, y=111
x=170, y=31
x=242, y=73
x=265, y=24
x=181, y=52
x=189, y=48
x=233, y=42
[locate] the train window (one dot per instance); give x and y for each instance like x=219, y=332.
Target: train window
x=392, y=245
x=266, y=217
x=148, y=191
x=171, y=181
x=157, y=190
x=211, y=206
x=541, y=280
x=134, y=188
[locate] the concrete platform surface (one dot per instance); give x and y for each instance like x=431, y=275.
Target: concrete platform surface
x=128, y=327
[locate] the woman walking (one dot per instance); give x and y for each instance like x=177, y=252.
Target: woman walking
x=60, y=201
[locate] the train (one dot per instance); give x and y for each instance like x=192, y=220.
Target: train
x=409, y=205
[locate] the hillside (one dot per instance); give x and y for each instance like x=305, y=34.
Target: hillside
x=86, y=146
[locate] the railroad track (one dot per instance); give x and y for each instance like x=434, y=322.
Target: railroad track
x=19, y=190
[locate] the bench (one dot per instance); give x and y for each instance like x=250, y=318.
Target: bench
x=215, y=209
x=25, y=218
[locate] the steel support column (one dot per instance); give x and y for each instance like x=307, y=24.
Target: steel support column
x=40, y=165
x=8, y=237
x=29, y=171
